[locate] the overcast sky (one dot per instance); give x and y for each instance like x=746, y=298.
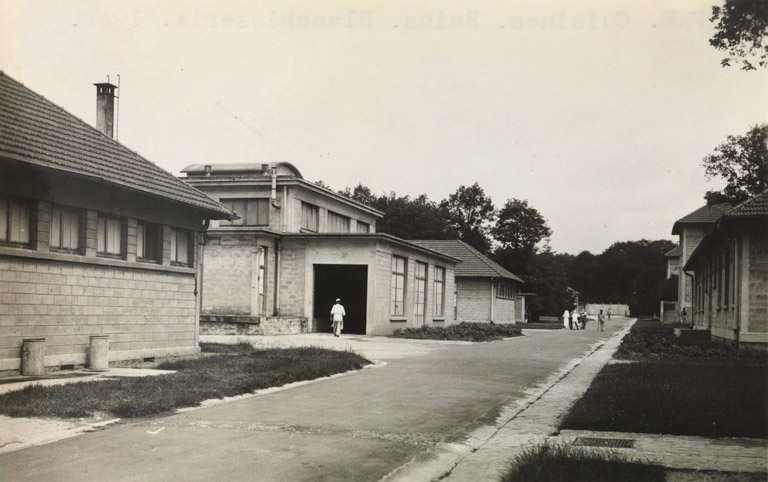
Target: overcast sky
x=597, y=112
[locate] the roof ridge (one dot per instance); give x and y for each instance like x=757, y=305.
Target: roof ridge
x=97, y=146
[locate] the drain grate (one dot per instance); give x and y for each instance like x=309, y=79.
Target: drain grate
x=618, y=443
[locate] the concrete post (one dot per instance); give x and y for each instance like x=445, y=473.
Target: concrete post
x=33, y=356
x=98, y=353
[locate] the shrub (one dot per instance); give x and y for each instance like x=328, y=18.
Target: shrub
x=566, y=463
x=464, y=331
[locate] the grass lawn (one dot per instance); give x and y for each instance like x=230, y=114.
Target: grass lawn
x=566, y=463
x=464, y=331
x=228, y=371
x=712, y=390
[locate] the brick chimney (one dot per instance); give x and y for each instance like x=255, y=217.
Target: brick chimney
x=105, y=108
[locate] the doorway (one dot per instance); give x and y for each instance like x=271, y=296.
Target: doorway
x=348, y=282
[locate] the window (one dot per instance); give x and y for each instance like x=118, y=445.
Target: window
x=309, y=217
x=252, y=212
x=148, y=245
x=398, y=286
x=65, y=229
x=109, y=235
x=363, y=227
x=420, y=293
x=439, y=291
x=504, y=290
x=14, y=221
x=337, y=223
x=181, y=247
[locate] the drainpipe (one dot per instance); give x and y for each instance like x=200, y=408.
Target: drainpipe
x=278, y=256
x=492, y=300
x=199, y=283
x=273, y=197
x=693, y=278
x=737, y=291
x=284, y=216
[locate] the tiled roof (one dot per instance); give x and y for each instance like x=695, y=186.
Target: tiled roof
x=754, y=206
x=703, y=215
x=36, y=131
x=674, y=252
x=473, y=262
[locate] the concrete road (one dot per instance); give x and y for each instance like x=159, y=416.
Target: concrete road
x=358, y=427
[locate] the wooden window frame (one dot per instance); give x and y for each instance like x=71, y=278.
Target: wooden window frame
x=420, y=275
x=178, y=234
x=439, y=294
x=315, y=210
x=103, y=230
x=254, y=211
x=397, y=303
x=23, y=218
x=151, y=231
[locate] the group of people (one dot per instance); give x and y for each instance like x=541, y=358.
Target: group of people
x=578, y=320
x=574, y=320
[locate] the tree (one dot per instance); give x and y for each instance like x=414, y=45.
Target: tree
x=361, y=194
x=412, y=218
x=548, y=278
x=470, y=212
x=742, y=161
x=518, y=229
x=742, y=31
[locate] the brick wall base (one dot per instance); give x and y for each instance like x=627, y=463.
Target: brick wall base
x=252, y=325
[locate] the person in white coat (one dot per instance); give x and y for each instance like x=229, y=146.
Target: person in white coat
x=337, y=317
x=567, y=320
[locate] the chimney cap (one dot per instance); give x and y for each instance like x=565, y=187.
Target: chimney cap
x=105, y=84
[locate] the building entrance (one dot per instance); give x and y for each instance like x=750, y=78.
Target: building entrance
x=348, y=282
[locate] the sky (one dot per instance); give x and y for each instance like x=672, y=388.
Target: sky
x=598, y=113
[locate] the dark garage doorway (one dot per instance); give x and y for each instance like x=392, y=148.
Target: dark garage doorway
x=348, y=282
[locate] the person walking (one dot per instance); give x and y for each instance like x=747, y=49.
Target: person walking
x=609, y=313
x=575, y=320
x=600, y=321
x=337, y=317
x=583, y=319
x=566, y=320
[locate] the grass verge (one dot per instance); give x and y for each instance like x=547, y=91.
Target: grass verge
x=712, y=390
x=231, y=370
x=566, y=463
x=464, y=331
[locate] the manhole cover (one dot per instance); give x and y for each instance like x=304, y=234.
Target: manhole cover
x=618, y=443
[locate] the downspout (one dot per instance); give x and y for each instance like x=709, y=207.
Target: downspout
x=273, y=197
x=737, y=291
x=285, y=211
x=492, y=300
x=199, y=282
x=693, y=311
x=278, y=257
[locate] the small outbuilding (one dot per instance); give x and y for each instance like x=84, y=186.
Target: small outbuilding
x=485, y=290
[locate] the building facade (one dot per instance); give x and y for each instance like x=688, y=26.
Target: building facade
x=485, y=290
x=691, y=229
x=296, y=247
x=729, y=275
x=94, y=239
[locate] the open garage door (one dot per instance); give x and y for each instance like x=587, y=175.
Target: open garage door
x=348, y=282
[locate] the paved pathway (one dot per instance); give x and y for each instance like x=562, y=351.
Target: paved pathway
x=359, y=427
x=524, y=426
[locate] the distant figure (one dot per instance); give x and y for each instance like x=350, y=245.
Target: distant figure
x=566, y=320
x=683, y=315
x=600, y=321
x=575, y=320
x=337, y=317
x=609, y=313
x=583, y=319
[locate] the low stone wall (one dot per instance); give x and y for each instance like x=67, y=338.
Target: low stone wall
x=252, y=325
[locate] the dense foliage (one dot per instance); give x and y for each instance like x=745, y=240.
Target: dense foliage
x=742, y=162
x=516, y=236
x=741, y=29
